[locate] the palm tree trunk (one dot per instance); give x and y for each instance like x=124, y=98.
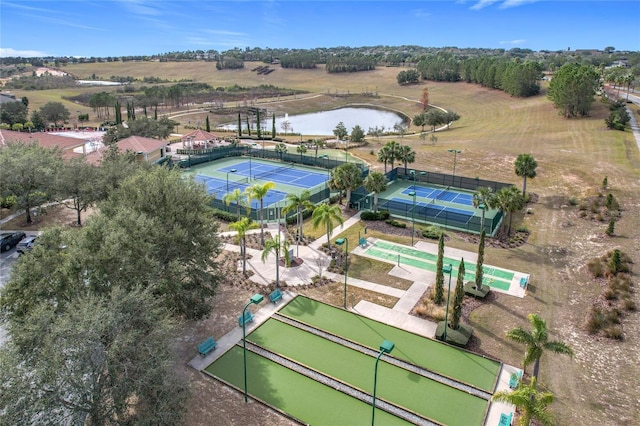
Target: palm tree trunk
x=328, y=237
x=261, y=223
x=243, y=249
x=278, y=268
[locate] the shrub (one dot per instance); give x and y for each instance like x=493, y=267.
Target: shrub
x=611, y=228
x=594, y=321
x=596, y=268
x=224, y=216
x=395, y=223
x=433, y=232
x=573, y=201
x=522, y=228
x=369, y=215
x=614, y=331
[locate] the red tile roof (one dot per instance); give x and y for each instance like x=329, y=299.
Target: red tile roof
x=140, y=144
x=43, y=139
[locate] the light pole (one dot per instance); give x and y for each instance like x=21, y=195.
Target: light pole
x=255, y=299
x=230, y=171
x=448, y=268
x=413, y=216
x=455, y=155
x=385, y=348
x=345, y=241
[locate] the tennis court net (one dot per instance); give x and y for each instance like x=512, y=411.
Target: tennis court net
x=274, y=171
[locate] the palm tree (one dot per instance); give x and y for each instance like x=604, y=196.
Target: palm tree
x=531, y=403
x=384, y=156
x=277, y=246
x=406, y=155
x=259, y=192
x=509, y=200
x=335, y=183
x=394, y=149
x=375, y=182
x=328, y=216
x=350, y=176
x=298, y=203
x=525, y=166
x=483, y=196
x=537, y=341
x=238, y=197
x=241, y=227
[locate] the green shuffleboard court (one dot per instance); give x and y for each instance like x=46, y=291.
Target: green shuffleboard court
x=301, y=394
x=492, y=276
x=416, y=393
x=295, y=394
x=432, y=355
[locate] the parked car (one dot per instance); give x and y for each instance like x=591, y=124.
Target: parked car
x=10, y=239
x=26, y=245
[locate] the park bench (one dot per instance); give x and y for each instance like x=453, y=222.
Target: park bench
x=207, y=346
x=275, y=295
x=246, y=318
x=523, y=282
x=515, y=379
x=505, y=419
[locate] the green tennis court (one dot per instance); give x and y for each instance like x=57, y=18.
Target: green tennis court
x=295, y=394
x=492, y=276
x=432, y=355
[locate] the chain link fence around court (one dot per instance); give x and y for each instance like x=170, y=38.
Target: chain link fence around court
x=320, y=161
x=432, y=213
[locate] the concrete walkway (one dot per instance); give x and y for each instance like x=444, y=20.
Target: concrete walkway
x=315, y=264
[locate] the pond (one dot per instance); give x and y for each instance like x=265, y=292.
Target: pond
x=322, y=123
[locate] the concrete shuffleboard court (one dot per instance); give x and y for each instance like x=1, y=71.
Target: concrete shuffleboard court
x=316, y=363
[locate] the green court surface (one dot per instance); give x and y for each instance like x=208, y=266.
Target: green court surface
x=421, y=395
x=432, y=355
x=493, y=277
x=296, y=394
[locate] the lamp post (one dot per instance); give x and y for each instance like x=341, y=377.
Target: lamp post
x=448, y=268
x=413, y=216
x=455, y=155
x=255, y=299
x=385, y=348
x=345, y=241
x=230, y=171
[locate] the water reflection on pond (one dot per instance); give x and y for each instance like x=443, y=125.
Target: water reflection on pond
x=322, y=123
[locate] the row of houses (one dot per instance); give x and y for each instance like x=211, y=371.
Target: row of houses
x=146, y=149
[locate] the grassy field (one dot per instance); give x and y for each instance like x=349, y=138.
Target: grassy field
x=601, y=383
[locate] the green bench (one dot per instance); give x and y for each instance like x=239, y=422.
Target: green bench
x=207, y=346
x=246, y=318
x=505, y=419
x=275, y=295
x=515, y=379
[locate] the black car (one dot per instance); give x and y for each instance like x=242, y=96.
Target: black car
x=10, y=239
x=26, y=245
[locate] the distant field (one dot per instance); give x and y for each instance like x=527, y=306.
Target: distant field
x=573, y=158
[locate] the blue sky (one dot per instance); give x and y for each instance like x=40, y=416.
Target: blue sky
x=140, y=27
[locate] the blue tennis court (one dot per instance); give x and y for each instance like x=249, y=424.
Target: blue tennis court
x=284, y=174
x=431, y=210
x=218, y=188
x=440, y=194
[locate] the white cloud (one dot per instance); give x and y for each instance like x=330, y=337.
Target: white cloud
x=514, y=42
x=482, y=4
x=7, y=51
x=420, y=13
x=515, y=3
